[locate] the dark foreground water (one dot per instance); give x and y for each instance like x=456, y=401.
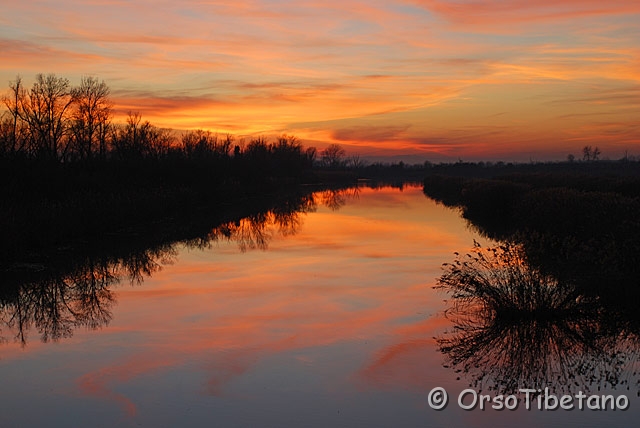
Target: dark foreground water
x=322, y=318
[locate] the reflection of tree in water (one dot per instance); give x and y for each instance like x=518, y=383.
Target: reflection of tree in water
x=256, y=230
x=78, y=291
x=55, y=306
x=517, y=328
x=335, y=199
x=138, y=265
x=55, y=303
x=250, y=232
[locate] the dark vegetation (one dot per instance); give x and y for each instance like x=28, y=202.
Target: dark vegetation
x=49, y=204
x=556, y=302
x=577, y=221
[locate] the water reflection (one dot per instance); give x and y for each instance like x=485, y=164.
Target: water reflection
x=56, y=302
x=256, y=230
x=335, y=199
x=515, y=327
x=74, y=290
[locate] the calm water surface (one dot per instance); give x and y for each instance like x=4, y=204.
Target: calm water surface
x=326, y=319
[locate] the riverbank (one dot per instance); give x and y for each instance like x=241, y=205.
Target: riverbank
x=576, y=223
x=47, y=206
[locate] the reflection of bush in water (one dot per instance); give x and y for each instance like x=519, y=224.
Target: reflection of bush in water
x=498, y=281
x=517, y=328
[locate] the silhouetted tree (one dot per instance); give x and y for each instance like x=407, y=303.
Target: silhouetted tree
x=358, y=162
x=13, y=135
x=46, y=109
x=125, y=138
x=137, y=139
x=355, y=162
x=8, y=134
x=333, y=155
x=159, y=140
x=311, y=153
x=91, y=118
x=287, y=155
x=223, y=148
x=590, y=154
x=198, y=143
x=257, y=154
x=204, y=144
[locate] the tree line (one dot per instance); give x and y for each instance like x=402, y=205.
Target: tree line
x=56, y=121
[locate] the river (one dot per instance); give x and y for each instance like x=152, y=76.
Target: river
x=322, y=317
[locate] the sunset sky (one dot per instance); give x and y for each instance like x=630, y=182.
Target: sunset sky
x=427, y=79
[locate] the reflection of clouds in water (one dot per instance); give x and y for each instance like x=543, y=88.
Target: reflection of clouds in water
x=406, y=363
x=245, y=326
x=230, y=314
x=56, y=303
x=99, y=383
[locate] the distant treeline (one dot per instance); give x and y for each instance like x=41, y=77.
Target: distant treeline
x=626, y=166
